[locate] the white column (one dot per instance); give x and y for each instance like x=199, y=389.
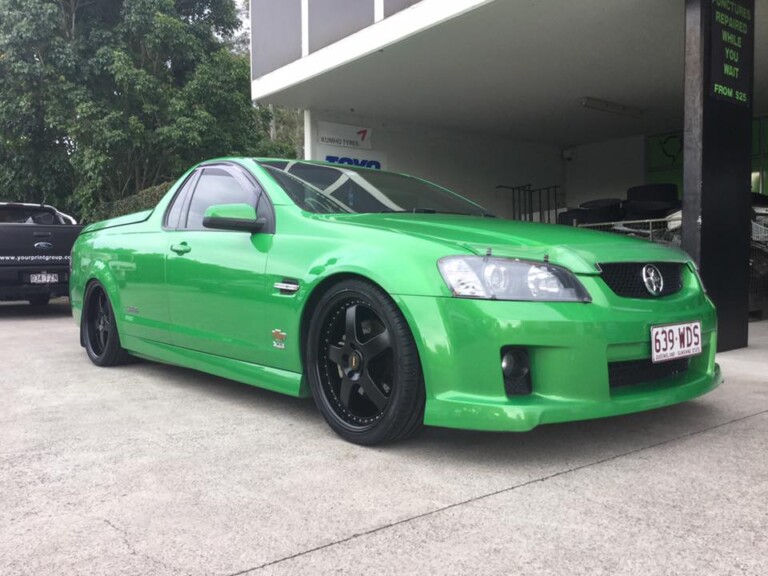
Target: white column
x=378, y=10
x=310, y=136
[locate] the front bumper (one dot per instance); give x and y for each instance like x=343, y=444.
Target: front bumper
x=570, y=346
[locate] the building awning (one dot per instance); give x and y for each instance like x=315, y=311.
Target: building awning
x=520, y=68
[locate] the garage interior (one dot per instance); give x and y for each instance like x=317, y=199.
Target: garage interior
x=498, y=98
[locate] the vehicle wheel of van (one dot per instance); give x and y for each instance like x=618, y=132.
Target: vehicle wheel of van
x=363, y=365
x=99, y=329
x=39, y=299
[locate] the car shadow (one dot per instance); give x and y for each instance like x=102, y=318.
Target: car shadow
x=566, y=442
x=226, y=390
x=23, y=310
x=572, y=442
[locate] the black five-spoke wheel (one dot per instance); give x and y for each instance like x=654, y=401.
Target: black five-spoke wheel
x=357, y=363
x=363, y=365
x=99, y=329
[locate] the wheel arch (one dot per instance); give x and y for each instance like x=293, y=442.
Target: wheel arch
x=86, y=287
x=101, y=273
x=314, y=297
x=403, y=414
x=321, y=288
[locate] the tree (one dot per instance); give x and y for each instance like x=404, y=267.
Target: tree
x=34, y=163
x=103, y=98
x=240, y=43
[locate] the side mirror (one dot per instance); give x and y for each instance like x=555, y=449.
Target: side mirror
x=240, y=217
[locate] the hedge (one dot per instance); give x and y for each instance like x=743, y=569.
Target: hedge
x=144, y=200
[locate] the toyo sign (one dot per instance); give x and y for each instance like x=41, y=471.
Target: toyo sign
x=345, y=156
x=365, y=163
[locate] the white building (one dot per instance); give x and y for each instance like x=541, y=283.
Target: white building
x=480, y=93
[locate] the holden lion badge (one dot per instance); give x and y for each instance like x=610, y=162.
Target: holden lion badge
x=654, y=282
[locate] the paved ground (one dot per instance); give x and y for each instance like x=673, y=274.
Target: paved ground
x=150, y=469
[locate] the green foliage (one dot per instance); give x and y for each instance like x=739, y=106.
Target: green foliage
x=33, y=63
x=287, y=128
x=144, y=200
x=101, y=99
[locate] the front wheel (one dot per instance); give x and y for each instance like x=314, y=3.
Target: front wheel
x=363, y=366
x=99, y=329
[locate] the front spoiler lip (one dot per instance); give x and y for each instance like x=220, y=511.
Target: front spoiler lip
x=457, y=410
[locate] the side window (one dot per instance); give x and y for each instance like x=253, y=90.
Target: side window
x=216, y=186
x=177, y=204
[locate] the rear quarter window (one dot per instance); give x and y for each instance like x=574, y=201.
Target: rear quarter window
x=23, y=215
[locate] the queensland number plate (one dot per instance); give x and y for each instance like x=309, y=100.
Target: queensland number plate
x=675, y=341
x=43, y=278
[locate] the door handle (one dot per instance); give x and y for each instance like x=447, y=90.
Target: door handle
x=182, y=248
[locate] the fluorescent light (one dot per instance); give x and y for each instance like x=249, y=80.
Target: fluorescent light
x=612, y=107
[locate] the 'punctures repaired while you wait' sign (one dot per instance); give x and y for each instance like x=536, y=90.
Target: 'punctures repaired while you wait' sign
x=732, y=50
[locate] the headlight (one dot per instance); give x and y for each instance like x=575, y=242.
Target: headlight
x=506, y=279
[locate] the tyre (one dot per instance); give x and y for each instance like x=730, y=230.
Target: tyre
x=603, y=210
x=99, y=329
x=39, y=299
x=363, y=366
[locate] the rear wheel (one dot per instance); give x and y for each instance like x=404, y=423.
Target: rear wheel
x=99, y=329
x=363, y=365
x=39, y=299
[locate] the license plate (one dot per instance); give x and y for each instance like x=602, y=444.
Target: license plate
x=675, y=341
x=43, y=278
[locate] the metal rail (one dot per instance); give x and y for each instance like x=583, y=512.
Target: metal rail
x=534, y=204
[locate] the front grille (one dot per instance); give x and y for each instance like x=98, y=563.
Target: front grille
x=635, y=372
x=626, y=278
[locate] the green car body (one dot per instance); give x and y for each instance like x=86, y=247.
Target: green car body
x=211, y=300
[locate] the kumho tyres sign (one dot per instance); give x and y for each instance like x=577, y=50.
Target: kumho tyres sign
x=732, y=50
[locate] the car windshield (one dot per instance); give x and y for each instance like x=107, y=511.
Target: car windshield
x=26, y=215
x=325, y=189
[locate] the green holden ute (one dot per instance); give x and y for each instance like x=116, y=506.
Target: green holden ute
x=391, y=301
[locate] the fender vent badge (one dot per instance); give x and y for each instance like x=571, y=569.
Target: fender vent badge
x=287, y=286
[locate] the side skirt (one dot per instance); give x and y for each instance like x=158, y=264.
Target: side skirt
x=274, y=379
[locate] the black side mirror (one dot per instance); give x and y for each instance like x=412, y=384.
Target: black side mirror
x=239, y=217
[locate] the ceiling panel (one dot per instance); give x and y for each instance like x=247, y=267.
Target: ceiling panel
x=521, y=68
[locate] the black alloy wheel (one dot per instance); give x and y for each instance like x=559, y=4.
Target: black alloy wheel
x=363, y=366
x=99, y=329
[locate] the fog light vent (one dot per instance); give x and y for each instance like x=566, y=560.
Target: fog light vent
x=516, y=370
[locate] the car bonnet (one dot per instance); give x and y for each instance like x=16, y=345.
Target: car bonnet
x=577, y=249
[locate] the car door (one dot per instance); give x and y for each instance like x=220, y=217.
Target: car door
x=216, y=278
x=137, y=263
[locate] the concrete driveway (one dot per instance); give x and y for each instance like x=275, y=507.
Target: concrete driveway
x=151, y=469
